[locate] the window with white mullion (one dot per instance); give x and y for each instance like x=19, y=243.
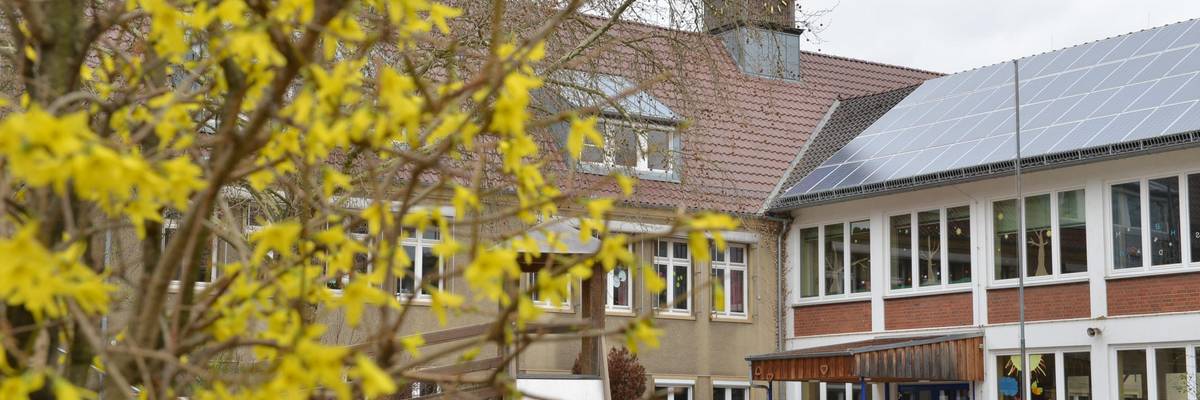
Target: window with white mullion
x=672, y=263
x=424, y=264
x=1056, y=248
x=1191, y=375
x=1054, y=238
x=1161, y=206
x=944, y=251
x=835, y=260
x=729, y=279
x=1060, y=379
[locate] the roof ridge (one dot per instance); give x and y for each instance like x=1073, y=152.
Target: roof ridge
x=876, y=63
x=1077, y=45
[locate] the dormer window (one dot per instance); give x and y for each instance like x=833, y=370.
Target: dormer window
x=642, y=147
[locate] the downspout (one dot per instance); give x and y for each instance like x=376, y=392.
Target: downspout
x=781, y=318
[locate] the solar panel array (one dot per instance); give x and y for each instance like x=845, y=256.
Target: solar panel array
x=1120, y=89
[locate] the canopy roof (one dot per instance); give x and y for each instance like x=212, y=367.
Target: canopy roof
x=897, y=359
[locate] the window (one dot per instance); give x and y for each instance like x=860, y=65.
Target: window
x=531, y=283
x=424, y=271
x=204, y=271
x=810, y=245
x=932, y=246
x=1156, y=373
x=620, y=289
x=835, y=259
x=1046, y=371
x=730, y=393
x=1148, y=218
x=672, y=262
x=639, y=146
x=810, y=391
x=673, y=391
x=1131, y=375
x=362, y=261
x=835, y=391
x=1055, y=236
x=729, y=281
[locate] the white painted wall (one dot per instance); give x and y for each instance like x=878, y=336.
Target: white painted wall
x=1002, y=338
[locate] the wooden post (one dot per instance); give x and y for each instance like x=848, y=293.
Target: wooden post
x=594, y=293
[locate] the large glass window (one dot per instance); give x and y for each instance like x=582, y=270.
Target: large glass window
x=1044, y=376
x=1127, y=225
x=729, y=281
x=837, y=257
x=941, y=243
x=1055, y=237
x=1005, y=239
x=958, y=243
x=672, y=261
x=1170, y=373
x=1131, y=374
x=1194, y=214
x=929, y=247
x=1039, y=242
x=901, y=251
x=1072, y=231
x=810, y=250
x=1078, y=368
x=1165, y=247
x=620, y=289
x=860, y=257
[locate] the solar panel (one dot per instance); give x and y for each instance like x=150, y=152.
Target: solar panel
x=1130, y=87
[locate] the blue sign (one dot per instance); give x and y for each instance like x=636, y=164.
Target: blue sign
x=1008, y=386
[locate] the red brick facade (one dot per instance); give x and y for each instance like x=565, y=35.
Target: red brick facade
x=1154, y=294
x=825, y=319
x=952, y=309
x=1042, y=303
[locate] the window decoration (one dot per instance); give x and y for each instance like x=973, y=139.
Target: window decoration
x=620, y=289
x=932, y=246
x=672, y=262
x=835, y=259
x=1055, y=236
x=729, y=281
x=1043, y=378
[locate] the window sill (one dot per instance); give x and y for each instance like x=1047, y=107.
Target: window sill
x=1058, y=280
x=744, y=319
x=674, y=315
x=177, y=286
x=600, y=169
x=617, y=312
x=1153, y=271
x=952, y=289
x=832, y=300
x=557, y=310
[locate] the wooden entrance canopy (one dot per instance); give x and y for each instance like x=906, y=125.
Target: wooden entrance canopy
x=902, y=359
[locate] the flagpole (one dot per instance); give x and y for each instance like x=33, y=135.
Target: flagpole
x=1024, y=374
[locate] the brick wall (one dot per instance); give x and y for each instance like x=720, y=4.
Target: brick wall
x=824, y=319
x=952, y=309
x=1048, y=302
x=1154, y=294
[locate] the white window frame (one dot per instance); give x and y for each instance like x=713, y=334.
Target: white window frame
x=914, y=242
x=1191, y=350
x=610, y=290
x=1185, y=251
x=1060, y=371
x=607, y=126
x=728, y=266
x=529, y=282
x=418, y=241
x=1056, y=273
x=671, y=261
x=175, y=284
x=676, y=383
x=846, y=276
x=730, y=387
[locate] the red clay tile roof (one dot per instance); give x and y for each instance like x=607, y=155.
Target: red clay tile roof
x=745, y=130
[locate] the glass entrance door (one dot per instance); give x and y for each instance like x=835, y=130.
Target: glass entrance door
x=942, y=391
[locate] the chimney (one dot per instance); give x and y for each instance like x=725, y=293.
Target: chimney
x=760, y=35
x=721, y=15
